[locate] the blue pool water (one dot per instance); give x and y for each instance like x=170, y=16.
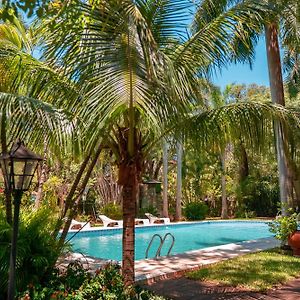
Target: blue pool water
x=108, y=243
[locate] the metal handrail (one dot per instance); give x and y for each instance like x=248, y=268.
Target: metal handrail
x=162, y=241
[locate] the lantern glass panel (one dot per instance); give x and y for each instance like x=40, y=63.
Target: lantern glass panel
x=30, y=168
x=23, y=173
x=18, y=171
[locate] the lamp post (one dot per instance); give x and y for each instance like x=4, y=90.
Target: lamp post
x=18, y=168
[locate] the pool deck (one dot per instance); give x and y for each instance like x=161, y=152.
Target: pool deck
x=152, y=270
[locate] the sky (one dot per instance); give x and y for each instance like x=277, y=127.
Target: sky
x=241, y=73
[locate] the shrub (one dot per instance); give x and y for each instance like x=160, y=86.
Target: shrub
x=284, y=226
x=195, y=210
x=149, y=209
x=258, y=195
x=76, y=284
x=112, y=210
x=37, y=249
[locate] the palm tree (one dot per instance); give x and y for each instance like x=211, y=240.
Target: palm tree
x=165, y=179
x=139, y=79
x=279, y=13
x=27, y=110
x=178, y=210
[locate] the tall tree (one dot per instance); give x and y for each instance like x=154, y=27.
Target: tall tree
x=179, y=153
x=165, y=179
x=139, y=79
x=276, y=13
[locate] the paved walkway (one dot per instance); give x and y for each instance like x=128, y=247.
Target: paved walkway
x=185, y=289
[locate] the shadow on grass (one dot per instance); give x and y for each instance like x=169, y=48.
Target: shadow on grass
x=256, y=272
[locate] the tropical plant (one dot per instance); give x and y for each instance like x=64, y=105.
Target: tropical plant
x=284, y=226
x=112, y=210
x=28, y=109
x=140, y=79
x=37, y=250
x=195, y=210
x=279, y=20
x=77, y=284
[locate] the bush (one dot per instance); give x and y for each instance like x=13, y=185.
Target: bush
x=195, y=210
x=258, y=195
x=37, y=249
x=113, y=211
x=149, y=209
x=76, y=284
x=284, y=226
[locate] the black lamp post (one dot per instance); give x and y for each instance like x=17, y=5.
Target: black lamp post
x=18, y=168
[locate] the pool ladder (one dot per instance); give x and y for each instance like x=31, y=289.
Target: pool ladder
x=162, y=241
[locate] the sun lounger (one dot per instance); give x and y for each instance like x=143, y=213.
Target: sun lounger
x=142, y=221
x=75, y=225
x=107, y=222
x=157, y=220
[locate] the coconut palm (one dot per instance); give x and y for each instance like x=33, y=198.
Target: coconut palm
x=282, y=16
x=28, y=109
x=139, y=77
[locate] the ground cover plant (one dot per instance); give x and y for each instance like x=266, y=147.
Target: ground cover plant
x=256, y=272
x=75, y=283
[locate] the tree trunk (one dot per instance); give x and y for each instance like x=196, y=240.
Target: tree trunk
x=165, y=180
x=224, y=213
x=178, y=213
x=8, y=198
x=73, y=209
x=69, y=198
x=42, y=179
x=244, y=165
x=277, y=94
x=128, y=178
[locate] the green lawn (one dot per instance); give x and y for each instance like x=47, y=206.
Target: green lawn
x=257, y=272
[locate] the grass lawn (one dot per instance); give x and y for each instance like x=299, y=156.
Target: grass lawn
x=256, y=272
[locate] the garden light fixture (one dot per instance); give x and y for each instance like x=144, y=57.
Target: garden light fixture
x=18, y=168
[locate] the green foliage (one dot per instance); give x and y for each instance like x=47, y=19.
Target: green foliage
x=76, y=284
x=112, y=210
x=284, y=226
x=259, y=195
x=149, y=209
x=37, y=249
x=195, y=211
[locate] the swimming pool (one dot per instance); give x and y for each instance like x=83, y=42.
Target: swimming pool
x=107, y=244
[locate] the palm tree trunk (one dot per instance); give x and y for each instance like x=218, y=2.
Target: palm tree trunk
x=128, y=178
x=243, y=165
x=178, y=213
x=8, y=198
x=165, y=180
x=42, y=179
x=277, y=94
x=73, y=209
x=224, y=213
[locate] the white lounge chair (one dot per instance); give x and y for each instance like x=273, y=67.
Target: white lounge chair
x=107, y=222
x=157, y=220
x=142, y=221
x=76, y=225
